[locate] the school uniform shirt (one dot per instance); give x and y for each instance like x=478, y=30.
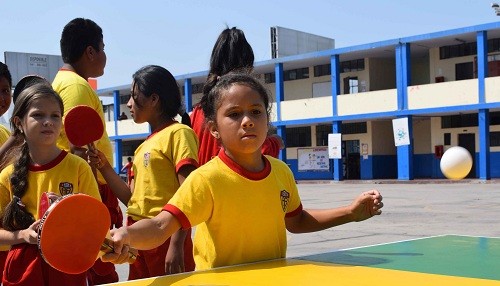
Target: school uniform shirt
x=156, y=163
x=4, y=134
x=75, y=90
x=240, y=215
x=210, y=147
x=66, y=174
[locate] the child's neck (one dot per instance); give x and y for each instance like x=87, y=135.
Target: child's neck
x=42, y=156
x=250, y=162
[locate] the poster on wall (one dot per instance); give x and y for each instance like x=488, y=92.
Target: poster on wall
x=313, y=159
x=401, y=131
x=335, y=146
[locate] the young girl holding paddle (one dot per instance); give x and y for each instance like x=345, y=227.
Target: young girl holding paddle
x=161, y=164
x=241, y=201
x=37, y=166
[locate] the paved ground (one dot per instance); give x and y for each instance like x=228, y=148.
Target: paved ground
x=412, y=210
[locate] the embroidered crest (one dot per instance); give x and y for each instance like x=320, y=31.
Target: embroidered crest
x=285, y=198
x=147, y=156
x=65, y=188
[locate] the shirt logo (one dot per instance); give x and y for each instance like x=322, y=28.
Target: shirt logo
x=285, y=198
x=147, y=156
x=65, y=188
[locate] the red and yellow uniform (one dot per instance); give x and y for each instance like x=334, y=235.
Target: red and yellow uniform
x=75, y=90
x=240, y=215
x=156, y=163
x=4, y=134
x=66, y=174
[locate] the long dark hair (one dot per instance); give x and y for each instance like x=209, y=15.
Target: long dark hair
x=15, y=216
x=231, y=52
x=153, y=79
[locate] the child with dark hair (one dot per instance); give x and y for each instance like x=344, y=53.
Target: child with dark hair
x=82, y=50
x=38, y=166
x=161, y=164
x=231, y=52
x=5, y=98
x=241, y=202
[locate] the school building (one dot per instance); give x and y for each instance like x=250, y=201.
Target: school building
x=446, y=84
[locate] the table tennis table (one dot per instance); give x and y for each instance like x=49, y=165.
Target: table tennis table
x=437, y=260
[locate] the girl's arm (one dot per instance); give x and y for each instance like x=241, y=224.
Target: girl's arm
x=144, y=234
x=28, y=235
x=118, y=186
x=363, y=207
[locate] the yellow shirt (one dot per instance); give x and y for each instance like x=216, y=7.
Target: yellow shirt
x=67, y=174
x=75, y=90
x=156, y=163
x=240, y=215
x=4, y=134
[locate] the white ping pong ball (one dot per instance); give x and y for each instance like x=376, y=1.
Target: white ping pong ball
x=456, y=163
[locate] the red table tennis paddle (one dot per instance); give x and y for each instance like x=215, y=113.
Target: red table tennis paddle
x=72, y=233
x=83, y=125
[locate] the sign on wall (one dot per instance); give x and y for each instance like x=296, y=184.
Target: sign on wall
x=335, y=146
x=401, y=131
x=313, y=159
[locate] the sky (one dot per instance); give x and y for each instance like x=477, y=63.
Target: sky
x=179, y=34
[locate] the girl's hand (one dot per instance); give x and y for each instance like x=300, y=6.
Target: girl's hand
x=174, y=260
x=96, y=158
x=30, y=235
x=120, y=245
x=366, y=205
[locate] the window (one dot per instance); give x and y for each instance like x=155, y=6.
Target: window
x=322, y=131
x=347, y=66
x=298, y=137
x=447, y=139
x=494, y=139
x=350, y=85
x=457, y=121
x=294, y=74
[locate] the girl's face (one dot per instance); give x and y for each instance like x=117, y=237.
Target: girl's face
x=241, y=121
x=139, y=105
x=42, y=123
x=5, y=95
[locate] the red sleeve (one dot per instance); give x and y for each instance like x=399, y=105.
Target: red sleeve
x=179, y=215
x=271, y=147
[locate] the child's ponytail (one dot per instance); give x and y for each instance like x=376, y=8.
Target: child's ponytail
x=15, y=216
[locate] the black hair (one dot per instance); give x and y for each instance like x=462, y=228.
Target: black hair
x=25, y=82
x=223, y=83
x=231, y=52
x=4, y=72
x=153, y=79
x=76, y=36
x=15, y=216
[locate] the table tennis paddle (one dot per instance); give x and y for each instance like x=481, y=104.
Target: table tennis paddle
x=72, y=233
x=83, y=125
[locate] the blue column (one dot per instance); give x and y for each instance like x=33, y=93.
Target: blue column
x=484, y=144
x=335, y=78
x=116, y=108
x=403, y=74
x=338, y=174
x=482, y=63
x=188, y=95
x=118, y=155
x=403, y=80
x=483, y=114
x=280, y=97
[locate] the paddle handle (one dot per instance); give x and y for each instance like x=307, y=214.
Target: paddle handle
x=107, y=247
